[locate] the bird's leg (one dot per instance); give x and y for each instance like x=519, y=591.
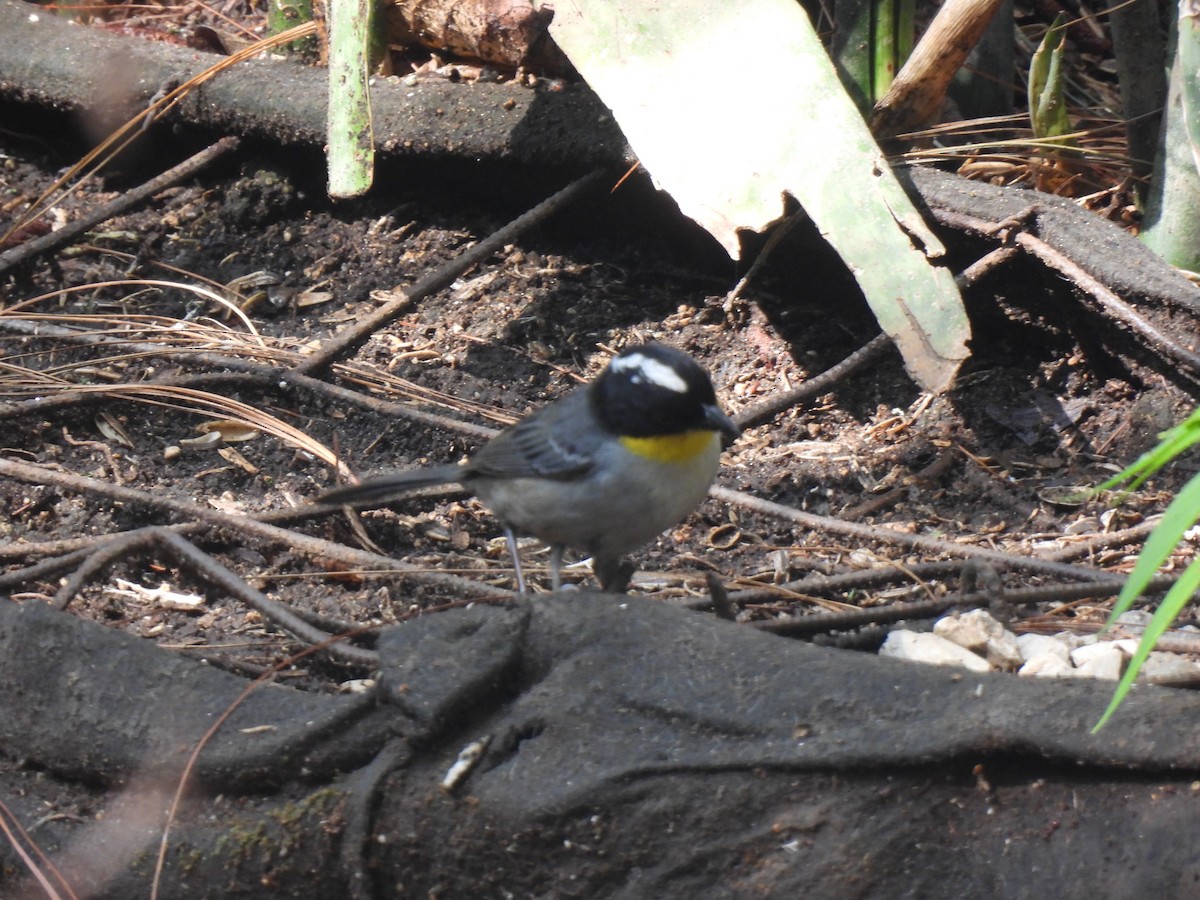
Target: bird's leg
x=556, y=555
x=511, y=540
x=613, y=574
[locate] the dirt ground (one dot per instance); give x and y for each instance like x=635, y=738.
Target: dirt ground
x=1051, y=398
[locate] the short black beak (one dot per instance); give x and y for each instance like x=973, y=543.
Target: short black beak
x=718, y=421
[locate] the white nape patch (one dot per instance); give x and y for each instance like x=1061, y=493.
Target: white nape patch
x=642, y=368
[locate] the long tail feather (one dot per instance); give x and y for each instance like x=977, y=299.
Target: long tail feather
x=386, y=488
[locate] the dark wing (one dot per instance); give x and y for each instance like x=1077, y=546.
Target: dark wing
x=557, y=441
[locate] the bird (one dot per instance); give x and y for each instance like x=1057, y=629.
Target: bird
x=604, y=469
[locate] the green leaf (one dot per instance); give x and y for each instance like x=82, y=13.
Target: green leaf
x=1177, y=598
x=1179, y=517
x=285, y=14
x=729, y=153
x=1047, y=104
x=1171, y=443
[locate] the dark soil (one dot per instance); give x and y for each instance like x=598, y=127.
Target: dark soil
x=1051, y=398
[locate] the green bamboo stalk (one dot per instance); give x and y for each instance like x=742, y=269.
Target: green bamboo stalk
x=872, y=39
x=350, y=152
x=851, y=48
x=1172, y=223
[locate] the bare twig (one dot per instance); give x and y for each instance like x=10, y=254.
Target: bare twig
x=212, y=571
x=239, y=371
x=816, y=623
x=816, y=386
x=313, y=547
x=1110, y=304
x=889, y=536
x=17, y=837
x=986, y=264
x=818, y=584
x=868, y=353
x=123, y=202
x=347, y=341
x=1118, y=538
x=931, y=474
x=920, y=86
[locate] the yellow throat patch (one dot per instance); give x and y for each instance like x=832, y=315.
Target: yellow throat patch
x=671, y=448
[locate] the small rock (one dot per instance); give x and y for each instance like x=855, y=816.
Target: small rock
x=1103, y=661
x=1160, y=666
x=965, y=630
x=1128, y=646
x=1139, y=618
x=1080, y=655
x=1047, y=665
x=1034, y=645
x=931, y=649
x=1073, y=640
x=979, y=632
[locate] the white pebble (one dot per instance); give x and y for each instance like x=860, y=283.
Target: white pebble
x=1047, y=665
x=931, y=649
x=981, y=633
x=1034, y=645
x=1103, y=661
